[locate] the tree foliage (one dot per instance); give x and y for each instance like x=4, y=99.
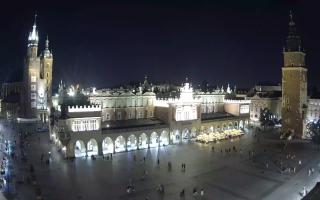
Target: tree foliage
x=266, y=118
x=313, y=130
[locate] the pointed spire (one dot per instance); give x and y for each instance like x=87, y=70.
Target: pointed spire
x=293, y=39
x=47, y=53
x=47, y=43
x=291, y=22
x=33, y=35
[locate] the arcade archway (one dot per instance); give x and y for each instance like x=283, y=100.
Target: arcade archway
x=132, y=143
x=92, y=147
x=120, y=144
x=107, y=145
x=79, y=149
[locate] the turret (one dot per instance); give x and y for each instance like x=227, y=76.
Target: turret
x=33, y=41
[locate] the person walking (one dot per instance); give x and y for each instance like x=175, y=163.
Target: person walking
x=202, y=192
x=158, y=161
x=182, y=193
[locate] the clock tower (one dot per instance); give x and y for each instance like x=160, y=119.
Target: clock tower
x=294, y=84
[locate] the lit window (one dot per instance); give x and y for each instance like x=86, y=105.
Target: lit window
x=33, y=79
x=33, y=87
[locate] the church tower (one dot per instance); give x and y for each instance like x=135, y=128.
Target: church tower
x=36, y=100
x=31, y=75
x=294, y=84
x=46, y=71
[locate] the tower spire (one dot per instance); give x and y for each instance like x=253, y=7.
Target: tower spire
x=33, y=35
x=47, y=43
x=293, y=39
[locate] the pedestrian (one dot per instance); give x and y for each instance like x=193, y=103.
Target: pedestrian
x=212, y=148
x=202, y=192
x=182, y=193
x=158, y=161
x=111, y=156
x=304, y=191
x=41, y=158
x=144, y=159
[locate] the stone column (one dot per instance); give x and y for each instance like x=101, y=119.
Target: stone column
x=100, y=152
x=70, y=151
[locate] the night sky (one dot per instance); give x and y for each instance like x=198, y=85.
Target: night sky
x=105, y=44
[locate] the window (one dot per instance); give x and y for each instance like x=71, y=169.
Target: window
x=33, y=79
x=130, y=116
x=151, y=114
x=33, y=96
x=47, y=75
x=108, y=116
x=119, y=115
x=33, y=104
x=33, y=87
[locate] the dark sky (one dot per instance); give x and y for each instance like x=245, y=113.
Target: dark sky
x=105, y=44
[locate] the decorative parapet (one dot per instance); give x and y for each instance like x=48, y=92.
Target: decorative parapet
x=90, y=108
x=237, y=101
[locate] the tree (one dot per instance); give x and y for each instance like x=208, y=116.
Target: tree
x=266, y=118
x=313, y=131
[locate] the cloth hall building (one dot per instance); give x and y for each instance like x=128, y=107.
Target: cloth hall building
x=98, y=122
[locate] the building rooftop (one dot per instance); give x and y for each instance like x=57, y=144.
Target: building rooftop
x=132, y=124
x=219, y=115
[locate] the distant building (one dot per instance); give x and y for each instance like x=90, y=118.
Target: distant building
x=265, y=97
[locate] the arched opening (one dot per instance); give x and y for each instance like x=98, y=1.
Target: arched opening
x=175, y=137
x=246, y=124
x=92, y=147
x=224, y=126
x=120, y=144
x=185, y=135
x=79, y=149
x=154, y=141
x=164, y=138
x=235, y=125
x=132, y=143
x=241, y=124
x=193, y=133
x=143, y=141
x=230, y=126
x=107, y=145
x=202, y=129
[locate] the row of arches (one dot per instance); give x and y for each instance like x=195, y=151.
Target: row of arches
x=225, y=126
x=120, y=144
x=132, y=142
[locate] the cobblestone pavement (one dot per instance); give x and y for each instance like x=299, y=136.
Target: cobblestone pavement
x=232, y=175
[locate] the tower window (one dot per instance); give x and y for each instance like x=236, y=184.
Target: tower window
x=33, y=79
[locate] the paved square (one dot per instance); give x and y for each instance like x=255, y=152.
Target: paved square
x=222, y=175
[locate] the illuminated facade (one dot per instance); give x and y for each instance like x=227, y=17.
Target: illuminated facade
x=109, y=121
x=294, y=85
x=37, y=79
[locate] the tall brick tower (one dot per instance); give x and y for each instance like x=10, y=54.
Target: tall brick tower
x=294, y=84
